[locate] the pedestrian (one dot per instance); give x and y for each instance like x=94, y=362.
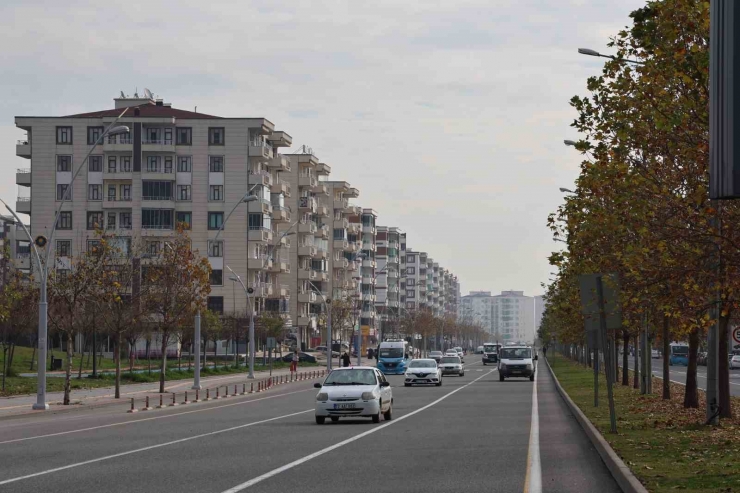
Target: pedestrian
x=544, y=351
x=345, y=360
x=370, y=353
x=294, y=362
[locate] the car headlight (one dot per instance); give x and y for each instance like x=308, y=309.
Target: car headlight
x=322, y=396
x=529, y=366
x=409, y=375
x=369, y=396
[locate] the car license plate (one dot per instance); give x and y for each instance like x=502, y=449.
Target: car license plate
x=344, y=406
x=516, y=371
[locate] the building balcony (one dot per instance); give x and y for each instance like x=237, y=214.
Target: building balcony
x=119, y=144
x=308, y=227
x=280, y=138
x=308, y=181
x=280, y=214
x=321, y=275
x=368, y=230
x=260, y=178
x=340, y=204
x=353, y=193
x=320, y=189
x=110, y=202
x=23, y=177
x=368, y=279
x=23, y=205
x=23, y=149
x=354, y=228
x=352, y=247
x=279, y=186
x=341, y=223
x=340, y=244
x=307, y=251
x=342, y=263
x=321, y=253
x=303, y=321
x=368, y=262
x=322, y=211
x=259, y=207
x=280, y=266
x=307, y=297
x=322, y=232
x=392, y=274
x=307, y=204
x=127, y=175
x=279, y=163
x=156, y=145
x=323, y=169
x=393, y=303
x=260, y=263
x=260, y=150
x=259, y=233
x=261, y=290
x=157, y=202
x=279, y=291
x=306, y=274
x=368, y=313
x=353, y=210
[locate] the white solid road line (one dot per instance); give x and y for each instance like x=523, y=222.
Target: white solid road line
x=326, y=450
x=122, y=423
x=151, y=447
x=533, y=478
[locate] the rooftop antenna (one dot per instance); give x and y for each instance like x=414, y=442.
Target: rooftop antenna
x=148, y=94
x=136, y=92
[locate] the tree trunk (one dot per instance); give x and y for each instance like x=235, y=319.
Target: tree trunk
x=148, y=355
x=5, y=364
x=190, y=356
x=723, y=373
x=12, y=353
x=163, y=370
x=691, y=399
x=636, y=381
x=616, y=356
x=205, y=343
x=82, y=358
x=68, y=371
x=625, y=358
x=666, y=359
x=33, y=354
x=117, y=356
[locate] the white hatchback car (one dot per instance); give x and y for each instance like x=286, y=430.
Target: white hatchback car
x=735, y=362
x=360, y=391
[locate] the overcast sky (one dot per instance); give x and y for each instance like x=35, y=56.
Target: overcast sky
x=448, y=116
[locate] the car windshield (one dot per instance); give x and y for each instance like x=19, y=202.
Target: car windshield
x=391, y=352
x=422, y=363
x=682, y=350
x=351, y=377
x=489, y=349
x=450, y=359
x=516, y=353
x=435, y=353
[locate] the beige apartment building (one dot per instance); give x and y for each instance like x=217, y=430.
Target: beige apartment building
x=173, y=167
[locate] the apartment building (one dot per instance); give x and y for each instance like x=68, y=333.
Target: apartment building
x=513, y=317
x=173, y=167
x=368, y=276
x=388, y=285
x=477, y=307
x=346, y=244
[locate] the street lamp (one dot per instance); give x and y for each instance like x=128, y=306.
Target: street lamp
x=42, y=242
x=570, y=143
x=327, y=302
x=590, y=52
x=566, y=190
x=248, y=291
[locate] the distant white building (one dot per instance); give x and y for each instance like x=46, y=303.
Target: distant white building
x=514, y=317
x=477, y=307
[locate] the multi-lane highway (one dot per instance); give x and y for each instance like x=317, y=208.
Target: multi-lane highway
x=473, y=433
x=678, y=374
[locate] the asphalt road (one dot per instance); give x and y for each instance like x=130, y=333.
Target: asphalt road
x=678, y=374
x=473, y=433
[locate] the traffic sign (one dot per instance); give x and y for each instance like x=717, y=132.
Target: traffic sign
x=590, y=302
x=271, y=343
x=736, y=335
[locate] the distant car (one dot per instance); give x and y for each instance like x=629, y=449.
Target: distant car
x=361, y=391
x=460, y=353
x=436, y=355
x=655, y=354
x=422, y=371
x=735, y=362
x=452, y=365
x=302, y=357
x=479, y=350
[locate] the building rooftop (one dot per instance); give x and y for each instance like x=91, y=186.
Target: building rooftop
x=149, y=109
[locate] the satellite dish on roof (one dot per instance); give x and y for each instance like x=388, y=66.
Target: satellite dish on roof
x=148, y=94
x=123, y=96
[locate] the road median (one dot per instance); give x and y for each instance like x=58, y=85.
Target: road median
x=665, y=446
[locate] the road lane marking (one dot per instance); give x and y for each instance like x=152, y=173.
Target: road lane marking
x=326, y=450
x=153, y=418
x=151, y=447
x=533, y=478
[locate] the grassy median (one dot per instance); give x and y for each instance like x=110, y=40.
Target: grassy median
x=667, y=447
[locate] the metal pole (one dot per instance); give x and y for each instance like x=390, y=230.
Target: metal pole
x=196, y=337
x=328, y=337
x=251, y=337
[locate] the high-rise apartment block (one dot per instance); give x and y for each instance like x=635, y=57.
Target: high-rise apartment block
x=513, y=317
x=477, y=307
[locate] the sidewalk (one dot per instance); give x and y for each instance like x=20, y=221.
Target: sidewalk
x=104, y=396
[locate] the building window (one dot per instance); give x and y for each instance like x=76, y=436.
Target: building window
x=411, y=282
x=168, y=135
x=64, y=163
x=216, y=304
x=410, y=270
x=216, y=248
x=62, y=191
x=153, y=164
x=95, y=192
x=95, y=164
x=93, y=246
x=156, y=218
x=125, y=164
x=111, y=222
x=126, y=192
x=64, y=248
x=184, y=164
x=410, y=305
x=125, y=220
x=153, y=248
x=410, y=293
x=94, y=220
x=153, y=135
x=111, y=192
x=184, y=136
x=216, y=193
x=215, y=220
x=216, y=136
x=216, y=164
x=93, y=135
x=65, y=220
x=186, y=219
x=217, y=277
x=168, y=164
x=156, y=190
x=183, y=192
x=64, y=135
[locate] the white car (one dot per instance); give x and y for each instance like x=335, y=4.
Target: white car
x=423, y=371
x=655, y=354
x=735, y=362
x=361, y=391
x=452, y=365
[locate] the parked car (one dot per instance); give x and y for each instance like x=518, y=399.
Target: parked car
x=655, y=354
x=302, y=358
x=735, y=362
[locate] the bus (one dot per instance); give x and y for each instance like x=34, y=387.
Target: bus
x=679, y=354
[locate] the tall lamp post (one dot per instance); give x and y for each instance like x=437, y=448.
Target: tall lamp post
x=248, y=292
x=42, y=242
x=326, y=301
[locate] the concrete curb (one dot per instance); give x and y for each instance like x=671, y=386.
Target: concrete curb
x=622, y=474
